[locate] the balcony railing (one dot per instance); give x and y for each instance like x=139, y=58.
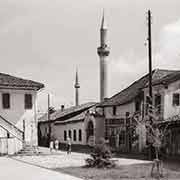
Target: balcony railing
x=11, y=128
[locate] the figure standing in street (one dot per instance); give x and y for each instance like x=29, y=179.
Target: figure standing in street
x=56, y=145
x=68, y=145
x=51, y=146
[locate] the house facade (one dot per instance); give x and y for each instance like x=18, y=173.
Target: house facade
x=82, y=123
x=134, y=101
x=18, y=123
x=83, y=129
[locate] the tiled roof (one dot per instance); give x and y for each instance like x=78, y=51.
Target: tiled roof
x=172, y=77
x=128, y=94
x=76, y=118
x=67, y=113
x=8, y=81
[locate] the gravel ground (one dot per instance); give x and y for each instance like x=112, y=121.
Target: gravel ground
x=73, y=165
x=61, y=159
x=15, y=170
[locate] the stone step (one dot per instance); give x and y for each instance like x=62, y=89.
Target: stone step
x=28, y=150
x=23, y=151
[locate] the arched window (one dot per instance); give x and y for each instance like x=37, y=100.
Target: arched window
x=80, y=135
x=90, y=129
x=65, y=135
x=69, y=134
x=74, y=135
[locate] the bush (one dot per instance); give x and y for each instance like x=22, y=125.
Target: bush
x=101, y=156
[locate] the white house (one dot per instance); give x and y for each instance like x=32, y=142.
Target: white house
x=84, y=124
x=134, y=99
x=17, y=113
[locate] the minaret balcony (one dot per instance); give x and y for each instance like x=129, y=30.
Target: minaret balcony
x=77, y=86
x=103, y=50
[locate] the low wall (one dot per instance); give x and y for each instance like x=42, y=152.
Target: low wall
x=76, y=148
x=10, y=146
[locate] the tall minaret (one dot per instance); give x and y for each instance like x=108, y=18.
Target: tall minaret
x=76, y=86
x=103, y=52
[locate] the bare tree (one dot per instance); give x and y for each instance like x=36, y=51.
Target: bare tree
x=154, y=135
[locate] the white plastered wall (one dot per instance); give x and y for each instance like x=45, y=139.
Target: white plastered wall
x=58, y=131
x=169, y=109
x=17, y=113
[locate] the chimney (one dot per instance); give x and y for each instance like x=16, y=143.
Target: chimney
x=62, y=108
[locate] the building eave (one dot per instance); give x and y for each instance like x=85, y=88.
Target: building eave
x=22, y=87
x=68, y=121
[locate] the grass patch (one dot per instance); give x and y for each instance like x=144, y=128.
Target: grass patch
x=134, y=172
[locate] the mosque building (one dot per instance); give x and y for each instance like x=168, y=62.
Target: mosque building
x=83, y=123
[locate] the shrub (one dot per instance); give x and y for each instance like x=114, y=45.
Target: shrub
x=101, y=156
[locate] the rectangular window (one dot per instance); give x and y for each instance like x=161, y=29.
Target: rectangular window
x=137, y=106
x=103, y=113
x=80, y=135
x=127, y=114
x=74, y=135
x=175, y=99
x=6, y=100
x=158, y=103
x=147, y=105
x=122, y=137
x=106, y=129
x=65, y=136
x=114, y=110
x=128, y=122
x=28, y=101
x=69, y=133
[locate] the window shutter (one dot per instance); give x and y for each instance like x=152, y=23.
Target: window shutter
x=6, y=100
x=175, y=99
x=28, y=101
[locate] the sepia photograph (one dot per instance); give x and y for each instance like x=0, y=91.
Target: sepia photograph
x=90, y=90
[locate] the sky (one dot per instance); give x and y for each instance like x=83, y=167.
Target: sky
x=46, y=40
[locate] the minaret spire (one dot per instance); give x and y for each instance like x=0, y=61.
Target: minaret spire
x=76, y=86
x=103, y=31
x=103, y=52
x=103, y=22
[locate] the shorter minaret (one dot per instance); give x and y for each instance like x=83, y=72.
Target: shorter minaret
x=77, y=86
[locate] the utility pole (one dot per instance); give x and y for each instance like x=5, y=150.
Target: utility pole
x=48, y=116
x=150, y=58
x=150, y=101
x=151, y=153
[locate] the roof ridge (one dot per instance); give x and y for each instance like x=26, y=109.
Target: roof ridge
x=77, y=117
x=167, y=69
x=8, y=80
x=58, y=114
x=128, y=93
x=131, y=84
